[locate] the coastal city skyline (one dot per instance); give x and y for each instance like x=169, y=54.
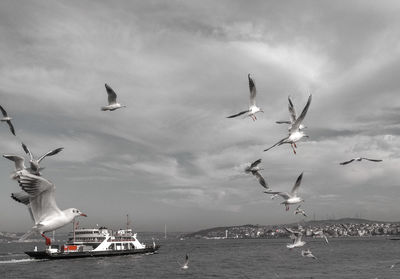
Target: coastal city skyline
x=181, y=67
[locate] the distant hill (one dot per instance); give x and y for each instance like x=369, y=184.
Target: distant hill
x=247, y=230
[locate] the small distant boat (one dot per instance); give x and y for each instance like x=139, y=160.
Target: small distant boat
x=395, y=238
x=97, y=242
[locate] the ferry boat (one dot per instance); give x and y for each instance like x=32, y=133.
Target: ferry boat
x=98, y=242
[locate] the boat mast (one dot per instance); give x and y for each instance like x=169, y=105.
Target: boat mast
x=127, y=221
x=165, y=231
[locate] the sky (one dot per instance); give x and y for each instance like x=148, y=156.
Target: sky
x=172, y=157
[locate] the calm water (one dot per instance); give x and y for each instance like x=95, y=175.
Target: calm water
x=342, y=258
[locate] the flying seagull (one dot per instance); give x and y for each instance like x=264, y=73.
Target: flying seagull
x=321, y=234
x=307, y=253
x=185, y=265
x=112, y=100
x=290, y=198
x=35, y=163
x=19, y=165
x=359, y=159
x=296, y=236
x=300, y=211
x=295, y=133
x=7, y=119
x=255, y=170
x=46, y=214
x=293, y=116
x=253, y=109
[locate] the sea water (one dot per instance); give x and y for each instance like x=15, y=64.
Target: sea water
x=375, y=257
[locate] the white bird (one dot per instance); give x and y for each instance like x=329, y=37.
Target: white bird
x=112, y=100
x=295, y=133
x=290, y=198
x=35, y=163
x=254, y=169
x=359, y=159
x=296, y=236
x=293, y=116
x=7, y=119
x=185, y=265
x=19, y=165
x=300, y=211
x=253, y=109
x=307, y=253
x=321, y=234
x=46, y=214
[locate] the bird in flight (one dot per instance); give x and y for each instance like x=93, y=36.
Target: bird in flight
x=296, y=236
x=7, y=119
x=253, y=109
x=307, y=253
x=254, y=169
x=359, y=159
x=47, y=216
x=293, y=116
x=300, y=211
x=295, y=133
x=35, y=163
x=112, y=100
x=185, y=265
x=292, y=197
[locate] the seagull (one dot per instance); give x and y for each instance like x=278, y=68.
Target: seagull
x=296, y=236
x=293, y=116
x=295, y=133
x=112, y=100
x=253, y=109
x=359, y=159
x=19, y=165
x=185, y=265
x=255, y=170
x=46, y=214
x=7, y=119
x=307, y=253
x=300, y=211
x=290, y=198
x=320, y=233
x=35, y=163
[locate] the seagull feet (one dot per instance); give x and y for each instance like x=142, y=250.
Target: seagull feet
x=48, y=240
x=287, y=207
x=294, y=151
x=295, y=145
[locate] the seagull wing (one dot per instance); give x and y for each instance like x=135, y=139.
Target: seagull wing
x=300, y=119
x=50, y=153
x=19, y=161
x=3, y=111
x=253, y=91
x=112, y=96
x=255, y=163
x=347, y=162
x=292, y=111
x=240, y=113
x=297, y=185
x=373, y=160
x=42, y=198
x=24, y=198
x=282, y=194
x=260, y=179
x=27, y=151
x=11, y=127
x=282, y=141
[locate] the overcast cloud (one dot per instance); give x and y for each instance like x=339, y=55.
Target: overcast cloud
x=172, y=157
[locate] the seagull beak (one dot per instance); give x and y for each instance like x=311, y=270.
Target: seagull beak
x=83, y=214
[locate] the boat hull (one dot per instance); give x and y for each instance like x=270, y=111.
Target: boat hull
x=63, y=255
